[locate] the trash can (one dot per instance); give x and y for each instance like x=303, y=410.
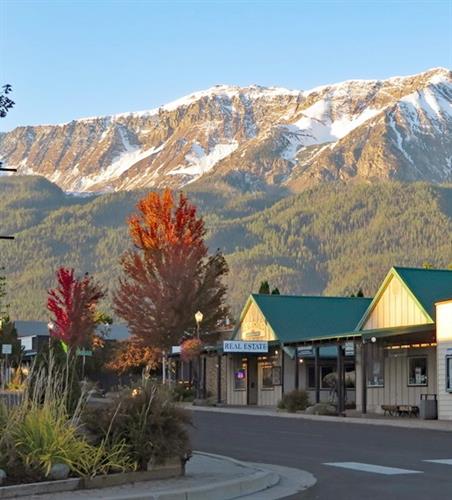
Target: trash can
x=428, y=409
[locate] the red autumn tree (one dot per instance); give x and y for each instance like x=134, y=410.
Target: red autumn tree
x=169, y=275
x=73, y=305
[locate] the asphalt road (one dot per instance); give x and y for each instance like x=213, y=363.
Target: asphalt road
x=309, y=445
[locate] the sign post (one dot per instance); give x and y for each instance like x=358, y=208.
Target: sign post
x=6, y=350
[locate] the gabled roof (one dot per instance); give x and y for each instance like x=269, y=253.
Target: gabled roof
x=426, y=286
x=297, y=318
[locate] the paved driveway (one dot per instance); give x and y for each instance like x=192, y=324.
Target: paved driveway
x=350, y=461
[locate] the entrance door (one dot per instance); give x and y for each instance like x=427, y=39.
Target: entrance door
x=252, y=380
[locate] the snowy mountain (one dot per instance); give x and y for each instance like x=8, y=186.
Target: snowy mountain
x=253, y=137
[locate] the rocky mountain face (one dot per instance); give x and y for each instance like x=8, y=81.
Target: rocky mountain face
x=253, y=138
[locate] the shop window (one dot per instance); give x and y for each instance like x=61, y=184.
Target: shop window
x=326, y=379
x=449, y=373
x=267, y=376
x=417, y=370
x=239, y=374
x=350, y=376
x=375, y=366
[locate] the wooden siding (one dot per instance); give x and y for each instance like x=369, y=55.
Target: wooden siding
x=254, y=326
x=396, y=390
x=444, y=339
x=444, y=397
x=289, y=373
x=396, y=307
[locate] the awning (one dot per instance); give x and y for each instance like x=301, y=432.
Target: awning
x=414, y=330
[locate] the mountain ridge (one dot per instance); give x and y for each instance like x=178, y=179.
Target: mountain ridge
x=253, y=138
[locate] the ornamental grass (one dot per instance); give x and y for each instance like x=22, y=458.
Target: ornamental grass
x=42, y=431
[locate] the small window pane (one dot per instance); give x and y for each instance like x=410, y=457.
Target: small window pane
x=311, y=377
x=327, y=377
x=267, y=379
x=417, y=374
x=449, y=373
x=375, y=366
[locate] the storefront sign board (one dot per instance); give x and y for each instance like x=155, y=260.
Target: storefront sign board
x=241, y=346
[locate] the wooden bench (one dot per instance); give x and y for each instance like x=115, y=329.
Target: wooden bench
x=400, y=410
x=391, y=410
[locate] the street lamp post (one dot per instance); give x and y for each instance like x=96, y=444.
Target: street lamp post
x=198, y=318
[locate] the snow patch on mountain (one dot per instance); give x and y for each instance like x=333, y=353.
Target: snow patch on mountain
x=120, y=164
x=200, y=161
x=316, y=127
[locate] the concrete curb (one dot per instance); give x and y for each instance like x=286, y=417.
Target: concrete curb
x=405, y=423
x=223, y=490
x=260, y=479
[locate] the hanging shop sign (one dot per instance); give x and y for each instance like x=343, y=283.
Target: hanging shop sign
x=307, y=350
x=349, y=348
x=241, y=346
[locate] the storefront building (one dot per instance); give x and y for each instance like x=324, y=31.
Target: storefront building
x=388, y=354
x=267, y=359
x=403, y=347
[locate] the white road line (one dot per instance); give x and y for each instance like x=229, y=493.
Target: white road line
x=376, y=469
x=444, y=461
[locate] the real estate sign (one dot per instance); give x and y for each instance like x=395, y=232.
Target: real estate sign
x=242, y=346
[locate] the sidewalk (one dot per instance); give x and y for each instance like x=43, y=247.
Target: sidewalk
x=207, y=477
x=353, y=417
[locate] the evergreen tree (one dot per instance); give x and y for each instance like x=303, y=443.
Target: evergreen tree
x=264, y=288
x=275, y=291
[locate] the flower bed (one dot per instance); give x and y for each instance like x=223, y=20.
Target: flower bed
x=49, y=435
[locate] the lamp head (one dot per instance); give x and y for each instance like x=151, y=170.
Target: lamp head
x=199, y=317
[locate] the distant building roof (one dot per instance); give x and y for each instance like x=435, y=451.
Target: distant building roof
x=298, y=318
x=31, y=328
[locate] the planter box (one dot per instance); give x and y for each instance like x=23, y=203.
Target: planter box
x=172, y=469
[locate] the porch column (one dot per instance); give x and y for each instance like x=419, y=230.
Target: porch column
x=297, y=375
x=317, y=374
x=219, y=359
x=364, y=377
x=340, y=380
x=204, y=370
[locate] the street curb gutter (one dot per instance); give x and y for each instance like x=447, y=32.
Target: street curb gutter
x=426, y=425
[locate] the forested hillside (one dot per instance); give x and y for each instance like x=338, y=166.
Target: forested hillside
x=331, y=239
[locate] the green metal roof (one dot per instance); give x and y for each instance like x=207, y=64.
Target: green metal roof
x=427, y=285
x=298, y=318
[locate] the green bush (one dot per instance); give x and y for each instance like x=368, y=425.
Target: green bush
x=293, y=401
x=183, y=392
x=146, y=419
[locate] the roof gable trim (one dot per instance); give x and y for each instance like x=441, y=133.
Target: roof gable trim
x=392, y=274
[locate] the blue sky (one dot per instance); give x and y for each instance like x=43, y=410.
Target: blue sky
x=69, y=59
